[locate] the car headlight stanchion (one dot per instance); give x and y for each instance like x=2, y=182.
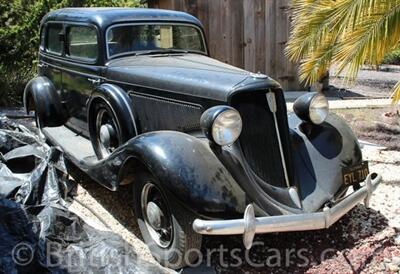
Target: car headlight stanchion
x=312, y=107
x=221, y=124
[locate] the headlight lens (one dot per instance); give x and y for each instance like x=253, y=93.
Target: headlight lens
x=227, y=127
x=312, y=107
x=319, y=109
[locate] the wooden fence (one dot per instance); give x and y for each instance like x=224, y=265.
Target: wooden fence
x=250, y=34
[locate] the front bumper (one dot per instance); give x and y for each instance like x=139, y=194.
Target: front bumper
x=250, y=225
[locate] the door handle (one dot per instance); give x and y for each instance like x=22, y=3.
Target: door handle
x=94, y=81
x=41, y=65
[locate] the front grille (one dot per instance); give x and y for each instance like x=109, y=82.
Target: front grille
x=259, y=140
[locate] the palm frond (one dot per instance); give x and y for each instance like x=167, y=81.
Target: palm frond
x=396, y=93
x=345, y=33
x=305, y=34
x=369, y=42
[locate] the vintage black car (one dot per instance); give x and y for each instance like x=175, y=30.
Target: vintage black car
x=132, y=96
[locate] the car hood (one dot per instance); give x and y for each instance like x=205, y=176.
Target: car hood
x=190, y=74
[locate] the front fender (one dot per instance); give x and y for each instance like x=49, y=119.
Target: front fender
x=319, y=154
x=185, y=167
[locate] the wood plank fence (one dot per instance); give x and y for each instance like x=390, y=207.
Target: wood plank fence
x=250, y=34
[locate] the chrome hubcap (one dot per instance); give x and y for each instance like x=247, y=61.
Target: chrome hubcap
x=107, y=135
x=107, y=132
x=156, y=215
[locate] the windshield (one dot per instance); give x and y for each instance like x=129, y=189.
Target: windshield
x=125, y=39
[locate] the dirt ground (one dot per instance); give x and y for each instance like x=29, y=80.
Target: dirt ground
x=367, y=240
x=369, y=83
x=380, y=125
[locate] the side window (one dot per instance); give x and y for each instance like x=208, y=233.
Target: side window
x=82, y=42
x=54, y=43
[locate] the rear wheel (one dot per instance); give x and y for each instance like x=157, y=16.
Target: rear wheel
x=165, y=225
x=105, y=132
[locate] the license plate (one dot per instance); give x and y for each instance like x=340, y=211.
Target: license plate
x=355, y=174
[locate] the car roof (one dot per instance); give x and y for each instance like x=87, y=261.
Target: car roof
x=104, y=17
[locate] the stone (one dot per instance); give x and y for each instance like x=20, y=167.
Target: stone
x=396, y=260
x=397, y=239
x=393, y=267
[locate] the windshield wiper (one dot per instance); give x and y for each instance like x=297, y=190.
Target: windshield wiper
x=156, y=51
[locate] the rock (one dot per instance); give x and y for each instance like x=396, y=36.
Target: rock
x=396, y=260
x=397, y=240
x=392, y=267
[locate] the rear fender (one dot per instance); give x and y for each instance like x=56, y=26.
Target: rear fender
x=40, y=95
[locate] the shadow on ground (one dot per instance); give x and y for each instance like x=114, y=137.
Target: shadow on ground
x=118, y=203
x=295, y=252
x=342, y=93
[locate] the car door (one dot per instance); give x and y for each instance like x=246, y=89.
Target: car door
x=51, y=52
x=81, y=72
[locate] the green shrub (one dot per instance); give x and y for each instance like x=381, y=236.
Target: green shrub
x=19, y=39
x=392, y=58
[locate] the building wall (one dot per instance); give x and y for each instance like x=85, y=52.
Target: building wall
x=250, y=34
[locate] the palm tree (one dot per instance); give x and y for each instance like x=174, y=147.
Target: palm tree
x=344, y=33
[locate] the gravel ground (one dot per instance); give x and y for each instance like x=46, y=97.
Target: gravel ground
x=106, y=210
x=386, y=199
x=369, y=83
x=367, y=240
x=363, y=241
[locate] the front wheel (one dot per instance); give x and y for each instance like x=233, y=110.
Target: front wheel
x=165, y=225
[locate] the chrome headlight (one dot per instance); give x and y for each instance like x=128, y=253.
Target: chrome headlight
x=221, y=124
x=312, y=107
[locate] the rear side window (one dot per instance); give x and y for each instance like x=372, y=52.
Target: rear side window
x=54, y=43
x=82, y=42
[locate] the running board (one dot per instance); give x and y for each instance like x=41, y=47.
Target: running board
x=78, y=149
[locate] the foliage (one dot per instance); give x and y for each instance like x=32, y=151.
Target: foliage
x=19, y=38
x=392, y=58
x=345, y=33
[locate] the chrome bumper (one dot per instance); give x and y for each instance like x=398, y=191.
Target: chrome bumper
x=250, y=225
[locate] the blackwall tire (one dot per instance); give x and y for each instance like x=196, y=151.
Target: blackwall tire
x=185, y=244
x=101, y=107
